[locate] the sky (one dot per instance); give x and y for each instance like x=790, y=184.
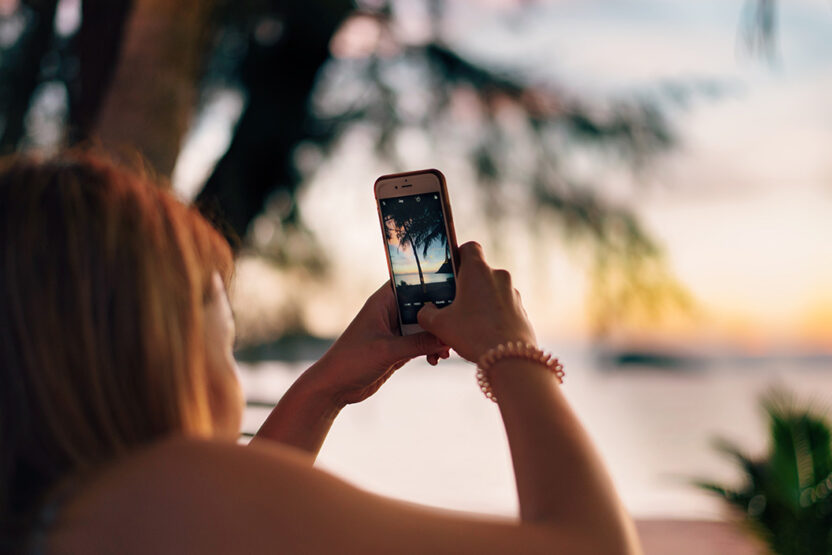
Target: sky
x=742, y=206
x=403, y=258
x=404, y=262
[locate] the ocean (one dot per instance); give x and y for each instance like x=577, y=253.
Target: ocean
x=413, y=279
x=430, y=437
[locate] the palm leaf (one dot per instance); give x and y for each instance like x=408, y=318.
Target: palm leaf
x=785, y=496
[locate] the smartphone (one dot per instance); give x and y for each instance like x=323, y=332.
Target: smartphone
x=419, y=240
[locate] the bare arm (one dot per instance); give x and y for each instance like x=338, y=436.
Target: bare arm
x=560, y=478
x=302, y=417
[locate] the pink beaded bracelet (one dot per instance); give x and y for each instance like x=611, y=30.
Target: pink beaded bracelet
x=514, y=349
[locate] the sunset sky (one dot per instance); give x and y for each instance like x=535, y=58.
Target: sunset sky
x=403, y=258
x=405, y=263
x=742, y=205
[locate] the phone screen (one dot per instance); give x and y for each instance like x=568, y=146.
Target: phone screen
x=420, y=255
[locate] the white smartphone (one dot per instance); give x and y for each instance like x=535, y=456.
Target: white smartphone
x=420, y=241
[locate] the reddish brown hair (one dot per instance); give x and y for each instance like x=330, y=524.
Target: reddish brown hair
x=103, y=279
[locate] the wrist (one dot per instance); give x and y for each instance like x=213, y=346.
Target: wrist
x=512, y=378
x=516, y=351
x=491, y=342
x=315, y=389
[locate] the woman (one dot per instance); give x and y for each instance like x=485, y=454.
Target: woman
x=120, y=407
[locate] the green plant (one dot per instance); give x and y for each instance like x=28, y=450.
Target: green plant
x=786, y=496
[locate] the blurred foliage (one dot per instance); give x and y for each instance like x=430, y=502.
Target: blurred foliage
x=758, y=28
x=302, y=97
x=784, y=498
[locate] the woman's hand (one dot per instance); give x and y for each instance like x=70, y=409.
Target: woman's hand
x=356, y=365
x=486, y=312
x=370, y=350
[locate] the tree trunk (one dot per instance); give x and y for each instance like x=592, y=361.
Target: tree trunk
x=98, y=46
x=279, y=78
x=149, y=103
x=418, y=265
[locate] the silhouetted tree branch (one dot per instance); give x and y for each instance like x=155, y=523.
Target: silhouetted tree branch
x=141, y=86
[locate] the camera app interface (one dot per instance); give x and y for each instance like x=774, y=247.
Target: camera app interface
x=419, y=252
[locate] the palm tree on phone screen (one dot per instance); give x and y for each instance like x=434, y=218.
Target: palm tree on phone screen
x=414, y=228
x=435, y=233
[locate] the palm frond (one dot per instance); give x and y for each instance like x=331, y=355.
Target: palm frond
x=785, y=496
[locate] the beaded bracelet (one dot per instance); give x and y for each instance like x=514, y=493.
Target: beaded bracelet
x=514, y=349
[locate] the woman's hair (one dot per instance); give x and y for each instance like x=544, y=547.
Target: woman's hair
x=103, y=280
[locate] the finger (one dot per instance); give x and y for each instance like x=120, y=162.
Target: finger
x=383, y=295
x=387, y=299
x=382, y=304
x=434, y=358
x=471, y=258
x=418, y=344
x=471, y=249
x=503, y=277
x=471, y=252
x=427, y=317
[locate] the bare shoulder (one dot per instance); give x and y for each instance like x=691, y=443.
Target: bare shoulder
x=183, y=495
x=189, y=496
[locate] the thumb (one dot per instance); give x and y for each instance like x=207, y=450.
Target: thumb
x=427, y=316
x=418, y=344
